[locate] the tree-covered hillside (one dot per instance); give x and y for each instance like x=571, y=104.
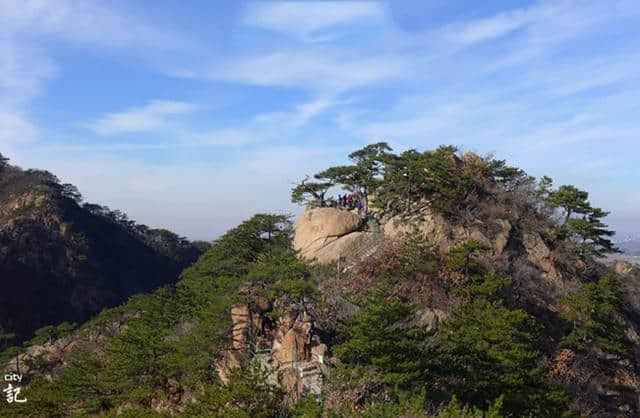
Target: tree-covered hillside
x=482, y=297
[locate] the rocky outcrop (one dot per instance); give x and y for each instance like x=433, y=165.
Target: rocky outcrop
x=497, y=233
x=426, y=222
x=539, y=254
x=288, y=348
x=502, y=237
x=318, y=227
x=329, y=234
x=444, y=234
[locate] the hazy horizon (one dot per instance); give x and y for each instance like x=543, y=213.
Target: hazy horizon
x=192, y=117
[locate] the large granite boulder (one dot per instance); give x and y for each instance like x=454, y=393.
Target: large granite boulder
x=341, y=248
x=318, y=227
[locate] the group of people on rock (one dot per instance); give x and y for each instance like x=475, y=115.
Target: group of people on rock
x=351, y=201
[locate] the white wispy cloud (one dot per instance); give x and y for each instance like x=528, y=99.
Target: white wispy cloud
x=160, y=116
x=152, y=117
x=325, y=71
x=301, y=115
x=485, y=29
x=25, y=62
x=84, y=22
x=306, y=19
x=14, y=128
x=532, y=83
x=23, y=69
x=542, y=23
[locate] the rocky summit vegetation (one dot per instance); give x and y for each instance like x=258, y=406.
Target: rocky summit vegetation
x=464, y=288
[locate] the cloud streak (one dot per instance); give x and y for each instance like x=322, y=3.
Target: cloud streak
x=84, y=23
x=162, y=116
x=305, y=19
x=321, y=70
x=149, y=118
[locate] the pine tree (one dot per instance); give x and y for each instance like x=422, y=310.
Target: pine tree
x=571, y=199
x=377, y=346
x=363, y=177
x=591, y=234
x=486, y=350
x=310, y=192
x=461, y=257
x=592, y=317
x=588, y=230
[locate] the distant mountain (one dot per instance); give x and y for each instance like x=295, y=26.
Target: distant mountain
x=630, y=246
x=61, y=260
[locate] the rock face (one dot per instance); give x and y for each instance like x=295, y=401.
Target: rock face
x=287, y=348
x=318, y=227
x=340, y=247
x=539, y=254
x=496, y=233
x=442, y=233
x=429, y=318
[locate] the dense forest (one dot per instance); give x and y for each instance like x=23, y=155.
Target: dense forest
x=509, y=313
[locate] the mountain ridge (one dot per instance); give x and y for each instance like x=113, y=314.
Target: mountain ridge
x=61, y=260
x=482, y=299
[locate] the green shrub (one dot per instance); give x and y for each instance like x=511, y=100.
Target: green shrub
x=461, y=257
x=246, y=394
x=308, y=407
x=486, y=350
x=455, y=410
x=591, y=312
x=377, y=346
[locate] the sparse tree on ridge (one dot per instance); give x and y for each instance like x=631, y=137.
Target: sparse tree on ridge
x=591, y=233
x=402, y=178
x=571, y=199
x=364, y=176
x=588, y=230
x=310, y=191
x=70, y=191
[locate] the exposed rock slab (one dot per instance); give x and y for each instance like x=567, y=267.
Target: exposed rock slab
x=340, y=247
x=317, y=227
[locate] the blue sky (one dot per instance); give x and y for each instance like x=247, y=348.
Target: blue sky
x=194, y=115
